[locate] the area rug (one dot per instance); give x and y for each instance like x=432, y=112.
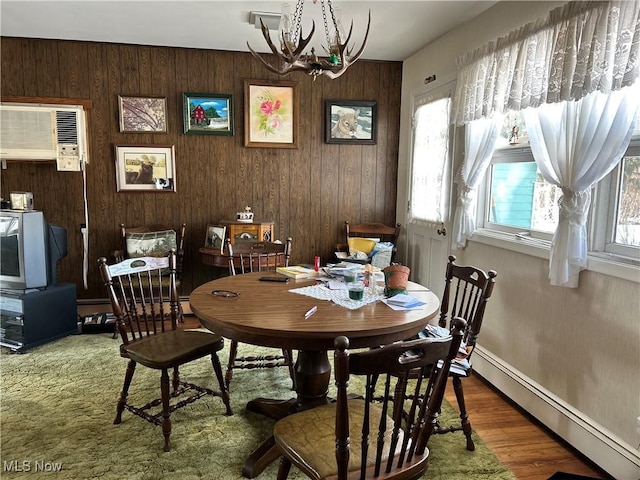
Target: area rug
x=58, y=403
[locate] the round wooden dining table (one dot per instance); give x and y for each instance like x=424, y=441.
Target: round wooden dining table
x=248, y=310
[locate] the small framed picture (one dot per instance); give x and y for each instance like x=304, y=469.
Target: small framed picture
x=348, y=121
x=215, y=237
x=270, y=114
x=145, y=168
x=143, y=114
x=208, y=113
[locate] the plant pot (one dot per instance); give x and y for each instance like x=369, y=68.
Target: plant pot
x=395, y=279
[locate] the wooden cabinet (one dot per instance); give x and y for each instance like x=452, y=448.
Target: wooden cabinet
x=31, y=318
x=249, y=232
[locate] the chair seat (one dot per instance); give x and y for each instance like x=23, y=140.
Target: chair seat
x=172, y=348
x=309, y=437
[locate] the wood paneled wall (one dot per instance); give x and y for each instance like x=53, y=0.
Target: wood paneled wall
x=308, y=192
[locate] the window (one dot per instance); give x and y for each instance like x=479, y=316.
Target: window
x=429, y=193
x=519, y=202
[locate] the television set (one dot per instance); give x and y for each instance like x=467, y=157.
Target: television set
x=30, y=249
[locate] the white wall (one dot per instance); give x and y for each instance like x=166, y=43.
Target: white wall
x=579, y=347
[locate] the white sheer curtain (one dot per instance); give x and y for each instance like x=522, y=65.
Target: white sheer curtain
x=575, y=144
x=480, y=141
x=579, y=48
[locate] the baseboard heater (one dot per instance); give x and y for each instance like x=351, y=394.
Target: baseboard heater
x=595, y=442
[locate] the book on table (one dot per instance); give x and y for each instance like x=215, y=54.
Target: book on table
x=297, y=271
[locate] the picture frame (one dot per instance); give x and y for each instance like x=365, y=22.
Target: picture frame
x=214, y=237
x=145, y=168
x=142, y=114
x=351, y=122
x=208, y=113
x=271, y=114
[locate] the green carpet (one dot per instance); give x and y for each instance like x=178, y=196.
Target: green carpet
x=58, y=403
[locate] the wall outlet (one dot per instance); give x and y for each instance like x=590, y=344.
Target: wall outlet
x=638, y=425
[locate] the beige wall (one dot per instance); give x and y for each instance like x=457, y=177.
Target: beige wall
x=582, y=345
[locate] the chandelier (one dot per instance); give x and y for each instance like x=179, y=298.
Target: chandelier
x=292, y=55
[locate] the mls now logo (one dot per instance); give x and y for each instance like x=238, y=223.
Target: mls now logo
x=29, y=466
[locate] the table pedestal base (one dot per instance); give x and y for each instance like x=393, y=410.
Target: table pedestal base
x=313, y=372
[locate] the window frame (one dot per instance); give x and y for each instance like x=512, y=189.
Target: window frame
x=603, y=256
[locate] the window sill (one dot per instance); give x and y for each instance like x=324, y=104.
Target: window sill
x=602, y=263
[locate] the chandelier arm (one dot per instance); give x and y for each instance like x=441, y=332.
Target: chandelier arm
x=265, y=64
x=334, y=72
x=295, y=54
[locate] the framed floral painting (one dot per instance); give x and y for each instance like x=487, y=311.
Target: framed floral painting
x=270, y=114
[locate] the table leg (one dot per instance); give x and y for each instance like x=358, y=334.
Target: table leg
x=313, y=373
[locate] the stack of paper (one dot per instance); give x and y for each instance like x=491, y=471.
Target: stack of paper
x=404, y=301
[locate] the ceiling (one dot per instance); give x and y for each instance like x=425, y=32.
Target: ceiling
x=398, y=28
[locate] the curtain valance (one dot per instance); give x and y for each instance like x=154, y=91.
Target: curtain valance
x=579, y=48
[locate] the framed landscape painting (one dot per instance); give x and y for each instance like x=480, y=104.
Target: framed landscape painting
x=145, y=168
x=142, y=114
x=270, y=114
x=208, y=113
x=348, y=121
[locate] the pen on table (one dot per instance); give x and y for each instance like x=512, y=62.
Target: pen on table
x=311, y=311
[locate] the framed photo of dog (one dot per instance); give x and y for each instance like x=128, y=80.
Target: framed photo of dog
x=145, y=168
x=351, y=122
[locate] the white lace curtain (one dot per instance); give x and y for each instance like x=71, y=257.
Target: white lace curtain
x=578, y=49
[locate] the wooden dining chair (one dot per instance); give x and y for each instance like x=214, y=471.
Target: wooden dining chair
x=246, y=257
x=153, y=240
x=360, y=232
x=147, y=316
x=358, y=437
x=466, y=293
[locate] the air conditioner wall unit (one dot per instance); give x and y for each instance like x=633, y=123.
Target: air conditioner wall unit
x=43, y=133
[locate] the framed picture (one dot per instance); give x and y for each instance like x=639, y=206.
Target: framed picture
x=348, y=121
x=215, y=236
x=270, y=114
x=143, y=114
x=145, y=168
x=208, y=113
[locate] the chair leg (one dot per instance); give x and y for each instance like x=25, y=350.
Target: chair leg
x=233, y=352
x=175, y=381
x=288, y=357
x=464, y=417
x=283, y=468
x=128, y=376
x=166, y=413
x=224, y=391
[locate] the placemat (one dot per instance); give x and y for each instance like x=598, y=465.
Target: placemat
x=339, y=297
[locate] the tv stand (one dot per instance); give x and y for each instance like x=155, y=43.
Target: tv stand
x=34, y=317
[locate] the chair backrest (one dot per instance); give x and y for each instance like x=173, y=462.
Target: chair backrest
x=467, y=290
x=391, y=436
x=141, y=306
x=383, y=232
x=255, y=257
x=152, y=240
x=373, y=230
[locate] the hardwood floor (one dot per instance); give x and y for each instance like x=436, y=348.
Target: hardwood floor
x=529, y=450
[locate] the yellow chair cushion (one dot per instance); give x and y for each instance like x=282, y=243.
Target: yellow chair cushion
x=364, y=245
